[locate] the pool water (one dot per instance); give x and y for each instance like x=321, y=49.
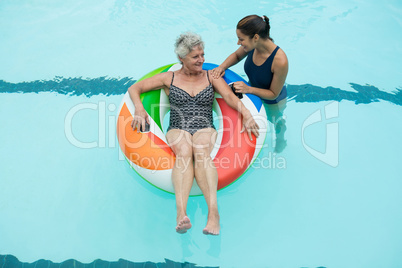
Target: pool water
x=330, y=198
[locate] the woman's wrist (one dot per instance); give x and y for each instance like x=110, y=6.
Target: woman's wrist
x=138, y=106
x=222, y=67
x=245, y=112
x=251, y=90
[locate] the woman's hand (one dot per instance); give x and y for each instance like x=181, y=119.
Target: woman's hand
x=250, y=125
x=241, y=87
x=218, y=72
x=140, y=117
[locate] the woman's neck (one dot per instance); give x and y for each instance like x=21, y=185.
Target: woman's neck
x=265, y=46
x=190, y=73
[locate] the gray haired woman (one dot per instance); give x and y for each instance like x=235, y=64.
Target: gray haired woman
x=191, y=133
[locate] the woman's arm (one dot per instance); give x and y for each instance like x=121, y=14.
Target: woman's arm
x=234, y=102
x=233, y=59
x=153, y=83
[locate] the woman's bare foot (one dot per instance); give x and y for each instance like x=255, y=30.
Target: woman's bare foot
x=183, y=225
x=213, y=227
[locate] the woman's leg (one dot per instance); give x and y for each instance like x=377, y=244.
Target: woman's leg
x=275, y=116
x=206, y=175
x=182, y=174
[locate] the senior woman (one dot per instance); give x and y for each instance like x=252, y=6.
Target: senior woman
x=191, y=133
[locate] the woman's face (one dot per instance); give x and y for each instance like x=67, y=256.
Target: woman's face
x=246, y=42
x=194, y=60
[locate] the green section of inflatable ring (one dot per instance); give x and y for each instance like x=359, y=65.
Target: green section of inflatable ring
x=151, y=99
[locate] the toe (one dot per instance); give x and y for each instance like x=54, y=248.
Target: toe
x=180, y=230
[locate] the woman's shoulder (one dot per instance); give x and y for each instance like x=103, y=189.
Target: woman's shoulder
x=211, y=78
x=166, y=75
x=280, y=64
x=280, y=58
x=164, y=78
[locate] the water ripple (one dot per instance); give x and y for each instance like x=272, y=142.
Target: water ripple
x=363, y=94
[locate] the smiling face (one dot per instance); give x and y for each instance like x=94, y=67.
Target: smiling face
x=246, y=42
x=194, y=60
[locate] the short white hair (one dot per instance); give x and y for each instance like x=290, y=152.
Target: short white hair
x=186, y=42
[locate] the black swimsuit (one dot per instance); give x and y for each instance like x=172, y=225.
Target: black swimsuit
x=261, y=76
x=191, y=113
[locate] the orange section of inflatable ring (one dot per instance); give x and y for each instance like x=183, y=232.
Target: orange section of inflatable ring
x=143, y=149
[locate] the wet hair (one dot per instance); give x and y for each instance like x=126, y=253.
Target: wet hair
x=253, y=24
x=186, y=42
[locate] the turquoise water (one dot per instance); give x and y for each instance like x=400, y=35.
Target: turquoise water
x=331, y=198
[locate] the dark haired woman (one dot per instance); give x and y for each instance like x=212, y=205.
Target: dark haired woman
x=266, y=67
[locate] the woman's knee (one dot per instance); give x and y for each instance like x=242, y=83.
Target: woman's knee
x=183, y=150
x=201, y=154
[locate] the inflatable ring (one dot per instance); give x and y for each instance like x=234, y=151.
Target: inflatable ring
x=151, y=157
